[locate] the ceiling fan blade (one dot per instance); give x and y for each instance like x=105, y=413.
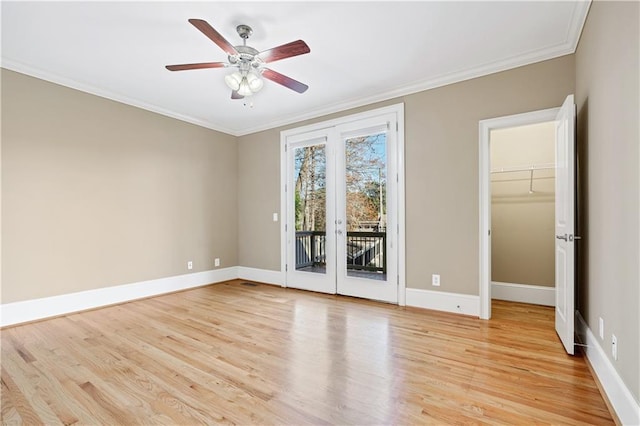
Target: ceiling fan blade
x=288, y=50
x=236, y=95
x=202, y=65
x=215, y=36
x=284, y=80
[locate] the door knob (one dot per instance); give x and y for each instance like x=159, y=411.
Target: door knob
x=562, y=237
x=339, y=231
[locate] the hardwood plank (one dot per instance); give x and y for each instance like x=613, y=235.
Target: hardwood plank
x=232, y=354
x=26, y=402
x=8, y=406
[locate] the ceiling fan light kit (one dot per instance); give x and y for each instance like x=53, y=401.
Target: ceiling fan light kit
x=248, y=79
x=245, y=85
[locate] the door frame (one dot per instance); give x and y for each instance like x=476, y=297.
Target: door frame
x=484, y=190
x=398, y=110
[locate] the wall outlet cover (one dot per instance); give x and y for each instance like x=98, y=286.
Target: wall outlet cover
x=435, y=279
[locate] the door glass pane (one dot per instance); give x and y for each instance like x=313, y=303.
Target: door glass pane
x=366, y=212
x=310, y=208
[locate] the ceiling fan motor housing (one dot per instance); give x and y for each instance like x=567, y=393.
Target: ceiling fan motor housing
x=246, y=55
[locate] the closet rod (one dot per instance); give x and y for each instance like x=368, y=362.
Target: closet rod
x=547, y=166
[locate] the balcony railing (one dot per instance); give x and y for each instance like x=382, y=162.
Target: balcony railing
x=310, y=249
x=366, y=251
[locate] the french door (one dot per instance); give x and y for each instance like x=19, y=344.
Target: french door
x=341, y=192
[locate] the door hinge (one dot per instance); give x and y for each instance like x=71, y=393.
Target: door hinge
x=285, y=227
x=397, y=126
x=286, y=267
x=285, y=147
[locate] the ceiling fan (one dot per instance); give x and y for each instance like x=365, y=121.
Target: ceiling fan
x=249, y=61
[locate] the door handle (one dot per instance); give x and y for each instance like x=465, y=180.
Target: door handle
x=562, y=237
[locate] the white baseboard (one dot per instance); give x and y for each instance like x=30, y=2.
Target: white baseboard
x=46, y=307
x=442, y=301
x=524, y=293
x=261, y=275
x=626, y=407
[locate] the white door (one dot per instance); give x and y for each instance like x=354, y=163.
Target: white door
x=565, y=223
x=341, y=194
x=310, y=223
x=366, y=220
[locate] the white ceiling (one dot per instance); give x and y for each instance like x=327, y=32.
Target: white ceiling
x=361, y=52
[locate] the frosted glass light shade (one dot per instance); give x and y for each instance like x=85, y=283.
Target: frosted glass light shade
x=244, y=89
x=245, y=85
x=233, y=80
x=255, y=82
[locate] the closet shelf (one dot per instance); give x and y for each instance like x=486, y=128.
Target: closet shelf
x=546, y=166
x=529, y=169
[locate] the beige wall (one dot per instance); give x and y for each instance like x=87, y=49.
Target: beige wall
x=89, y=184
x=137, y=191
x=522, y=223
x=259, y=189
x=441, y=149
x=607, y=98
x=96, y=193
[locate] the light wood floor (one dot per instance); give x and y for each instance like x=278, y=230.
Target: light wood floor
x=236, y=354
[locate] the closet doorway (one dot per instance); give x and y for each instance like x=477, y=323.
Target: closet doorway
x=522, y=180
x=488, y=128
x=564, y=240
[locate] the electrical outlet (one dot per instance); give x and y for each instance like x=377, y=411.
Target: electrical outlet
x=190, y=265
x=275, y=217
x=435, y=279
x=614, y=347
x=216, y=262
x=601, y=328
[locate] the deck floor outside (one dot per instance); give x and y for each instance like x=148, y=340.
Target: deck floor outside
x=370, y=275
